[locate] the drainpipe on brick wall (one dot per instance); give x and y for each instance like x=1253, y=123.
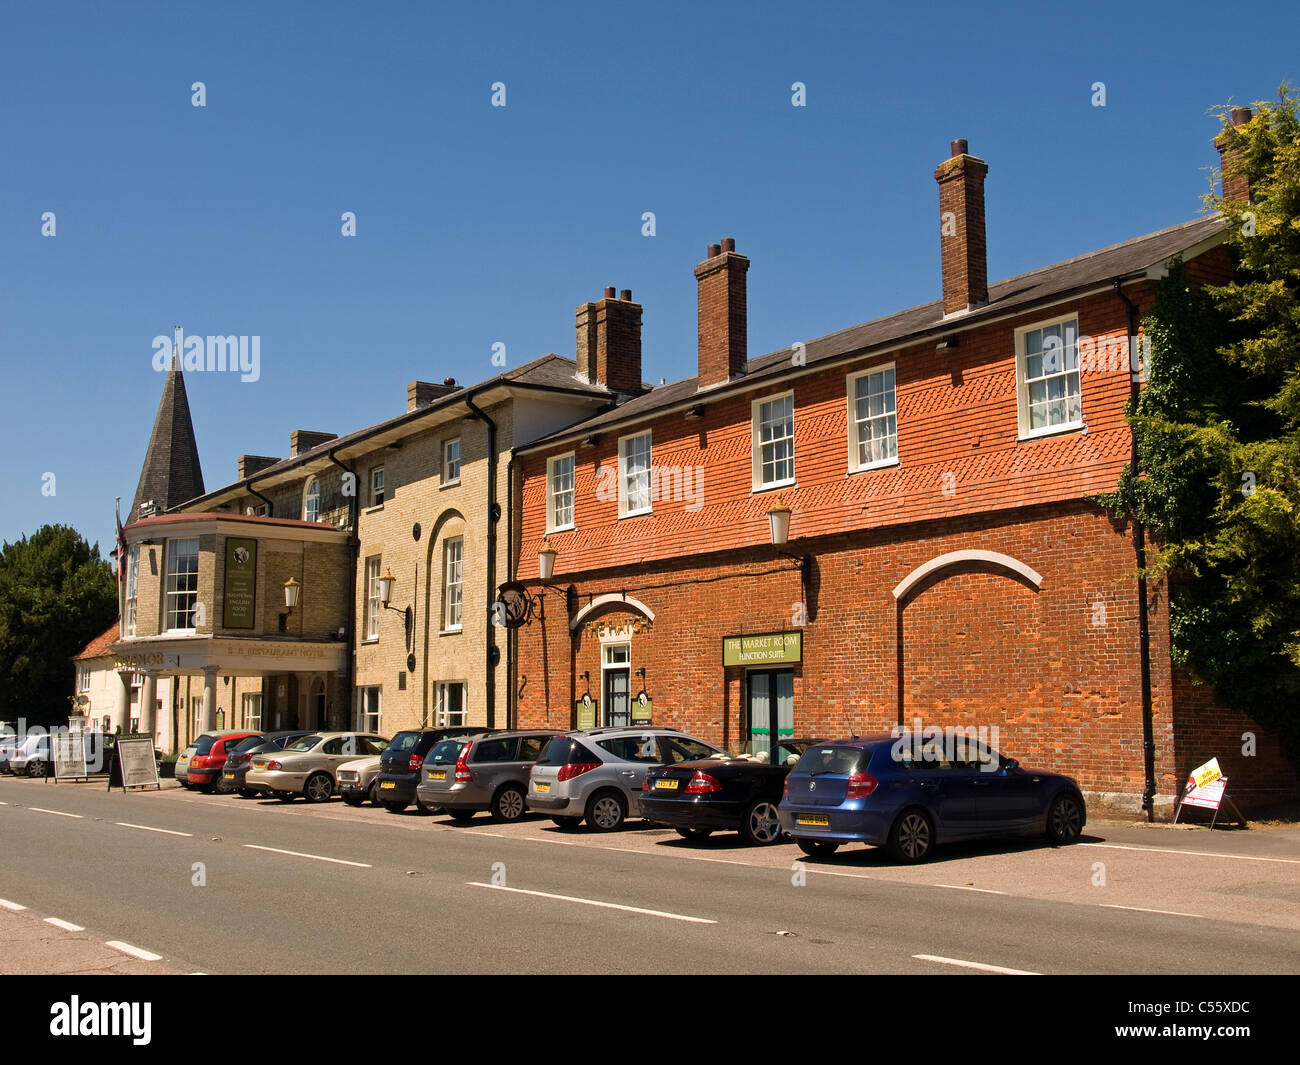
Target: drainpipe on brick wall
x=270, y=507
x=354, y=550
x=512, y=635
x=493, y=516
x=1140, y=552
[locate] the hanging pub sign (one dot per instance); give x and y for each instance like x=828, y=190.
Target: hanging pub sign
x=762, y=649
x=585, y=709
x=240, y=599
x=642, y=709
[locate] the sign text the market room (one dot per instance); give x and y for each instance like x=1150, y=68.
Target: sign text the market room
x=762, y=648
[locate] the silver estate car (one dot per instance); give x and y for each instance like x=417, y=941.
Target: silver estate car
x=596, y=774
x=489, y=771
x=308, y=766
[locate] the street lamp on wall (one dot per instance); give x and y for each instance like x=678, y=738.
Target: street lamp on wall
x=385, y=583
x=778, y=520
x=546, y=560
x=292, y=592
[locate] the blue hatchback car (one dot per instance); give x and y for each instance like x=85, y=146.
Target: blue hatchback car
x=890, y=792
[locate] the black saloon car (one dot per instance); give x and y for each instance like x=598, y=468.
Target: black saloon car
x=400, y=764
x=710, y=794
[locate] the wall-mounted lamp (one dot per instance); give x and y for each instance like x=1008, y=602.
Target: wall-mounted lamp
x=292, y=592
x=778, y=520
x=385, y=596
x=546, y=560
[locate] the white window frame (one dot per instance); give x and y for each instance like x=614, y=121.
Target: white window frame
x=756, y=413
x=132, y=588
x=453, y=584
x=443, y=716
x=83, y=677
x=261, y=510
x=625, y=475
x=310, y=494
x=370, y=622
x=370, y=707
x=1023, y=383
x=855, y=424
x=251, y=719
x=447, y=476
x=551, y=463
x=377, y=486
x=170, y=592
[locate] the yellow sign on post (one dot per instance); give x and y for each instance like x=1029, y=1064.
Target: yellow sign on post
x=1207, y=773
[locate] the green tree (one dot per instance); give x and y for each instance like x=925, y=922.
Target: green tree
x=1218, y=437
x=56, y=595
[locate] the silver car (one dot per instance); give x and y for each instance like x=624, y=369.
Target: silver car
x=357, y=780
x=596, y=774
x=308, y=766
x=489, y=771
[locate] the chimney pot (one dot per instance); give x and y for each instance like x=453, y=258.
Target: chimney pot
x=728, y=243
x=609, y=292
x=960, y=147
x=714, y=250
x=1240, y=116
x=626, y=294
x=449, y=381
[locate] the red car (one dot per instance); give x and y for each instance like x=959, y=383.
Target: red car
x=209, y=758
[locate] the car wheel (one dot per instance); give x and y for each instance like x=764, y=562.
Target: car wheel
x=606, y=811
x=507, y=804
x=36, y=768
x=912, y=837
x=761, y=825
x=370, y=795
x=318, y=788
x=395, y=807
x=1064, y=819
x=817, y=848
x=566, y=822
x=694, y=833
x=459, y=813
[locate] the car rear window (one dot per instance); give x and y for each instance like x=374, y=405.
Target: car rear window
x=403, y=741
x=840, y=761
x=445, y=752
x=204, y=744
x=683, y=750
x=565, y=751
x=249, y=742
x=304, y=744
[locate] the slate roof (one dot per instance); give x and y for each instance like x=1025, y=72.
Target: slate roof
x=171, y=473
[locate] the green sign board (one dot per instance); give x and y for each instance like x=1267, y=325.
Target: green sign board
x=762, y=649
x=586, y=708
x=240, y=601
x=642, y=709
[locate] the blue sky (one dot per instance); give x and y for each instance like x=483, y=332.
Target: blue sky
x=478, y=225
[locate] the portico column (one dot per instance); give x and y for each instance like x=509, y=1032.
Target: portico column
x=121, y=711
x=148, y=706
x=209, y=698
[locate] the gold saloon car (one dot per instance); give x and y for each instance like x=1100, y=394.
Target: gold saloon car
x=309, y=766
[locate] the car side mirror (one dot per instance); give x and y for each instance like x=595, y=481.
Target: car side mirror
x=1010, y=763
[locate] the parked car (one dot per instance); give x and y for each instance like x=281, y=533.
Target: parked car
x=307, y=767
x=739, y=794
x=238, y=760
x=596, y=774
x=356, y=780
x=860, y=791
x=208, y=759
x=400, y=764
x=201, y=745
x=488, y=771
x=32, y=756
x=9, y=743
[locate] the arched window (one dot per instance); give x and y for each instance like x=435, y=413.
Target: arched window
x=311, y=501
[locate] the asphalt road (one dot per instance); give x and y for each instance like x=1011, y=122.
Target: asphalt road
x=206, y=883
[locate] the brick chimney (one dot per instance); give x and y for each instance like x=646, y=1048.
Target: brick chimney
x=1236, y=186
x=301, y=440
x=962, y=250
x=251, y=464
x=609, y=342
x=723, y=317
x=422, y=393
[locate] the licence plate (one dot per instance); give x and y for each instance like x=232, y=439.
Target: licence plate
x=665, y=785
x=230, y=776
x=542, y=787
x=813, y=819
x=437, y=774
x=259, y=765
x=385, y=785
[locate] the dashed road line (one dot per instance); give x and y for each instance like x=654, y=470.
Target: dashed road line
x=314, y=857
x=135, y=952
x=14, y=906
x=981, y=966
x=1195, y=854
x=67, y=926
x=57, y=813
x=149, y=828
x=1144, y=909
x=967, y=887
x=594, y=902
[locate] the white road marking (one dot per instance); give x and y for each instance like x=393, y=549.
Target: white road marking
x=67, y=926
x=147, y=828
x=57, y=813
x=966, y=887
x=1143, y=909
x=15, y=906
x=1196, y=854
x=594, y=902
x=974, y=965
x=314, y=857
x=135, y=952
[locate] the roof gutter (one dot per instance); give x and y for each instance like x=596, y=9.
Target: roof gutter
x=1140, y=554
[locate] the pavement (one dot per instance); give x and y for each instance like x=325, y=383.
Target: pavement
x=213, y=883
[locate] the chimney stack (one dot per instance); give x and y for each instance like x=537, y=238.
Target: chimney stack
x=301, y=440
x=723, y=317
x=251, y=464
x=962, y=250
x=609, y=342
x=1236, y=186
x=422, y=393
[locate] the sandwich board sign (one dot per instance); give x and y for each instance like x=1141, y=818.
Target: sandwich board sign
x=1207, y=788
x=135, y=763
x=68, y=753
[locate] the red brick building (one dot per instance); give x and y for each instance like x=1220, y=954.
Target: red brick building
x=942, y=561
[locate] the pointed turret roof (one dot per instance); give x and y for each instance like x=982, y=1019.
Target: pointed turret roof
x=171, y=474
